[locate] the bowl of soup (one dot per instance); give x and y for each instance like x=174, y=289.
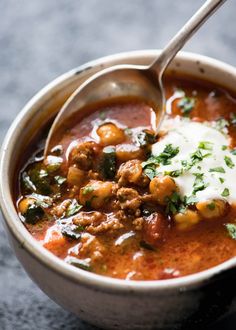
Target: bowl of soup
x=122, y=226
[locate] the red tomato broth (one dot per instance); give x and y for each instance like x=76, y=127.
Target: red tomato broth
x=180, y=252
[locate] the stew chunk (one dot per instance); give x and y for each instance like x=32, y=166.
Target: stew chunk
x=161, y=188
x=96, y=193
x=83, y=154
x=132, y=172
x=110, y=134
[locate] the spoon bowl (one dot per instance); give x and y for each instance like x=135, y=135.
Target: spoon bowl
x=138, y=82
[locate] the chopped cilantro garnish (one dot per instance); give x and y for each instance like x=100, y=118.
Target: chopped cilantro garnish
x=186, y=104
x=164, y=157
x=199, y=183
x=225, y=192
x=231, y=230
x=174, y=174
x=222, y=180
x=190, y=200
x=219, y=169
x=224, y=147
x=229, y=162
x=173, y=203
x=73, y=208
x=197, y=156
x=221, y=124
x=150, y=172
x=206, y=145
x=168, y=153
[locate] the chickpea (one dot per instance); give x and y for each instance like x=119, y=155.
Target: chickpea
x=125, y=152
x=24, y=204
x=211, y=209
x=75, y=176
x=162, y=187
x=110, y=134
x=187, y=219
x=96, y=193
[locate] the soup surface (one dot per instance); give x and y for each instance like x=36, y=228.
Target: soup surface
x=115, y=199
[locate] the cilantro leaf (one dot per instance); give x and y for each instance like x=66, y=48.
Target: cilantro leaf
x=205, y=145
x=229, y=162
x=173, y=203
x=186, y=104
x=73, y=208
x=231, y=230
x=219, y=169
x=199, y=183
x=164, y=157
x=190, y=200
x=225, y=192
x=150, y=172
x=174, y=174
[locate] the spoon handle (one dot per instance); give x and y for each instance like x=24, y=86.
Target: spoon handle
x=178, y=41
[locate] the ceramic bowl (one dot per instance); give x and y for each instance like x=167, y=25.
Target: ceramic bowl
x=106, y=302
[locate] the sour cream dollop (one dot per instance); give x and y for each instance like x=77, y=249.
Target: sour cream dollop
x=206, y=168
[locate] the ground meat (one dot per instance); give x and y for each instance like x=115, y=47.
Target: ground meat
x=89, y=218
x=89, y=246
x=83, y=155
x=97, y=222
x=132, y=172
x=93, y=175
x=60, y=209
x=129, y=200
x=155, y=228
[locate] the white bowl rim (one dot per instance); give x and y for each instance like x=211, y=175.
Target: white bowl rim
x=82, y=277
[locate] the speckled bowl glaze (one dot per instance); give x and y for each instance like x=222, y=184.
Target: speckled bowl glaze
x=110, y=303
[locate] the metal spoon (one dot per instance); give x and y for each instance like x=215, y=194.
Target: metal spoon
x=138, y=81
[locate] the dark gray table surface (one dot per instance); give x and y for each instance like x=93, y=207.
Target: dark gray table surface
x=41, y=39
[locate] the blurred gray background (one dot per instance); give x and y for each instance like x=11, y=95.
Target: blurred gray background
x=41, y=39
